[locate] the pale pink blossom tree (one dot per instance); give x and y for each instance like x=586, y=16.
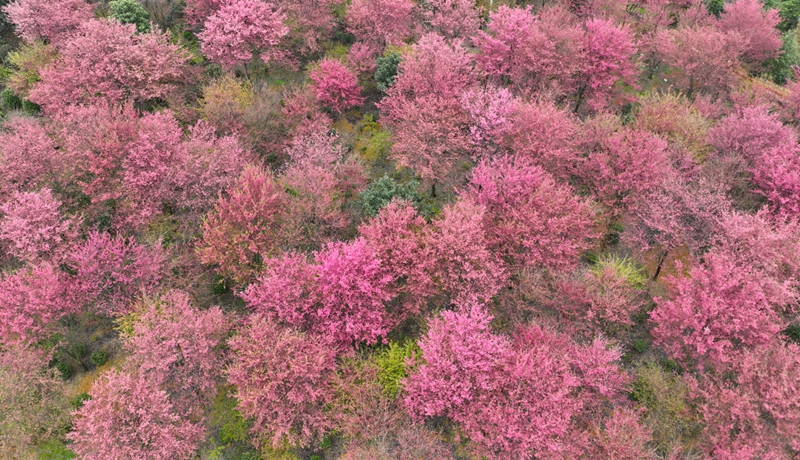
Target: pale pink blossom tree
x=128, y=416
x=177, y=347
x=107, y=60
x=335, y=85
x=51, y=20
x=241, y=30
x=380, y=22
x=34, y=228
x=283, y=381
x=530, y=219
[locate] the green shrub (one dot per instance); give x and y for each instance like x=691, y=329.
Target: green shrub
x=664, y=396
x=54, y=449
x=380, y=192
x=715, y=7
x=30, y=108
x=98, y=358
x=130, y=12
x=386, y=70
x=789, y=10
x=224, y=416
x=10, y=99
x=640, y=345
x=780, y=68
x=64, y=369
x=78, y=350
x=391, y=363
x=792, y=332
x=77, y=401
x=625, y=269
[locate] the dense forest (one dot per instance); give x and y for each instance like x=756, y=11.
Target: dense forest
x=399, y=229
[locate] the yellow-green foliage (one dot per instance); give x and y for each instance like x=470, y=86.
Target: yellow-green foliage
x=670, y=116
x=225, y=418
x=664, y=396
x=391, y=364
x=624, y=267
x=27, y=61
x=373, y=142
x=225, y=101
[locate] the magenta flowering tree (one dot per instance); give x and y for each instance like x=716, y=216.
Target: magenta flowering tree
x=541, y=52
x=380, y=22
x=33, y=227
x=452, y=18
x=283, y=381
x=705, y=58
x=778, y=179
x=719, y=311
x=399, y=236
x=335, y=86
x=340, y=296
x=423, y=108
x=107, y=60
x=466, y=268
x=756, y=25
x=243, y=225
x=752, y=409
x=530, y=219
x=51, y=20
x=29, y=158
x=177, y=347
x=130, y=417
x=241, y=30
x=513, y=397
x=32, y=300
x=625, y=166
x=111, y=271
x=609, y=62
x=545, y=134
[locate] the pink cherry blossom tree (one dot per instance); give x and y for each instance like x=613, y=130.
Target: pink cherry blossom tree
x=335, y=85
x=530, y=219
x=283, y=381
x=399, y=237
x=716, y=313
x=756, y=25
x=33, y=227
x=47, y=20
x=341, y=296
x=32, y=300
x=466, y=268
x=452, y=18
x=107, y=60
x=130, y=417
x=112, y=271
x=241, y=30
x=177, y=347
x=244, y=225
x=380, y=22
